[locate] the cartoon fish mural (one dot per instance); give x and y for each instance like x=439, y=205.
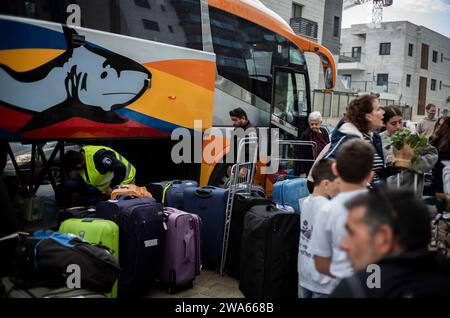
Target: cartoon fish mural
x=85, y=81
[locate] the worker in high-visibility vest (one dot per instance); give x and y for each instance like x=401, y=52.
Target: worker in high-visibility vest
x=101, y=167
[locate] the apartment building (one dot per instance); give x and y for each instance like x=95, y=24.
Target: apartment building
x=404, y=62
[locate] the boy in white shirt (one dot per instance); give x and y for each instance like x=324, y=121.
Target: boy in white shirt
x=354, y=167
x=312, y=284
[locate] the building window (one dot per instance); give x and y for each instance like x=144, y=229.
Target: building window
x=347, y=79
x=336, y=26
x=296, y=10
x=435, y=56
x=170, y=28
x=440, y=85
x=356, y=53
x=442, y=57
x=150, y=25
x=385, y=48
x=424, y=57
x=163, y=8
x=410, y=49
x=408, y=80
x=382, y=79
x=142, y=3
x=433, y=84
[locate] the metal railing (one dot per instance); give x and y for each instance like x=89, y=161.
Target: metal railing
x=333, y=105
x=305, y=27
x=351, y=57
x=371, y=86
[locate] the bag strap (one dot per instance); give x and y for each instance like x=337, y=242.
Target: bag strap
x=168, y=185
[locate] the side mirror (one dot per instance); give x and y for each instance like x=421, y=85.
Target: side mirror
x=328, y=78
x=327, y=71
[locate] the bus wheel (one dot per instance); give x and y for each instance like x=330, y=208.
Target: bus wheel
x=220, y=176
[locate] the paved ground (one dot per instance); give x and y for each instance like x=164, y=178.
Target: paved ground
x=209, y=284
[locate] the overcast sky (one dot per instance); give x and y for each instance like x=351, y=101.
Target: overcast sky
x=433, y=14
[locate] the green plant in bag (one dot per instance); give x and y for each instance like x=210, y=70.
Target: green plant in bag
x=408, y=146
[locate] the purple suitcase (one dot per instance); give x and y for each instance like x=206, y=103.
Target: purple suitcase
x=181, y=256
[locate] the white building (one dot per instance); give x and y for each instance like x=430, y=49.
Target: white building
x=403, y=61
x=308, y=18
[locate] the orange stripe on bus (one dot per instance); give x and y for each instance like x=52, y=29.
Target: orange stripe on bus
x=198, y=72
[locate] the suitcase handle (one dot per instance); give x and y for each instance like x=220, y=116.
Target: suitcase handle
x=205, y=192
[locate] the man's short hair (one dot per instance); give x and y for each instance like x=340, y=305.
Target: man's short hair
x=238, y=112
x=407, y=216
x=354, y=161
x=322, y=171
x=72, y=159
x=429, y=106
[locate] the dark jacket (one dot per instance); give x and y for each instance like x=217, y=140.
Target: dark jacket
x=409, y=275
x=249, y=131
x=305, y=152
x=346, y=131
x=437, y=184
x=308, y=135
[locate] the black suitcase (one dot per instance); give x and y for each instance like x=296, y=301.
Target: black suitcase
x=241, y=205
x=157, y=189
x=269, y=253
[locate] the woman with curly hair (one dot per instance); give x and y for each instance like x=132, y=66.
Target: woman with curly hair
x=364, y=117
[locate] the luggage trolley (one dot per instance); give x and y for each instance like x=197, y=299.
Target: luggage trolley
x=241, y=178
x=242, y=174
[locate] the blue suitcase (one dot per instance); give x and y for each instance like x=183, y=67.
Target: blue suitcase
x=141, y=230
x=173, y=196
x=289, y=192
x=209, y=203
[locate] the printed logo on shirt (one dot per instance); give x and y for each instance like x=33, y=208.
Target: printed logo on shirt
x=306, y=230
x=107, y=161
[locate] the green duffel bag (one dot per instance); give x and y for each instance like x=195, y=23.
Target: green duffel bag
x=9, y=289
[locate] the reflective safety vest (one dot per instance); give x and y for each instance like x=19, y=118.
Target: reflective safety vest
x=102, y=181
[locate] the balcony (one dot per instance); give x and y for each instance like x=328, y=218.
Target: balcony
x=371, y=86
x=305, y=28
x=349, y=61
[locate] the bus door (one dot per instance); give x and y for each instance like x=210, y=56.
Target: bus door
x=289, y=112
x=290, y=102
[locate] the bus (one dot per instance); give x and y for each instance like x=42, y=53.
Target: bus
x=127, y=73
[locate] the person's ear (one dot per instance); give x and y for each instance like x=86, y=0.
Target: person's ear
x=368, y=117
x=384, y=240
x=334, y=169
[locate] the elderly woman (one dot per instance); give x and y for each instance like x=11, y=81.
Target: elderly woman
x=316, y=134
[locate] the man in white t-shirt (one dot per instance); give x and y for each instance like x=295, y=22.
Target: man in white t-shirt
x=312, y=284
x=354, y=167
